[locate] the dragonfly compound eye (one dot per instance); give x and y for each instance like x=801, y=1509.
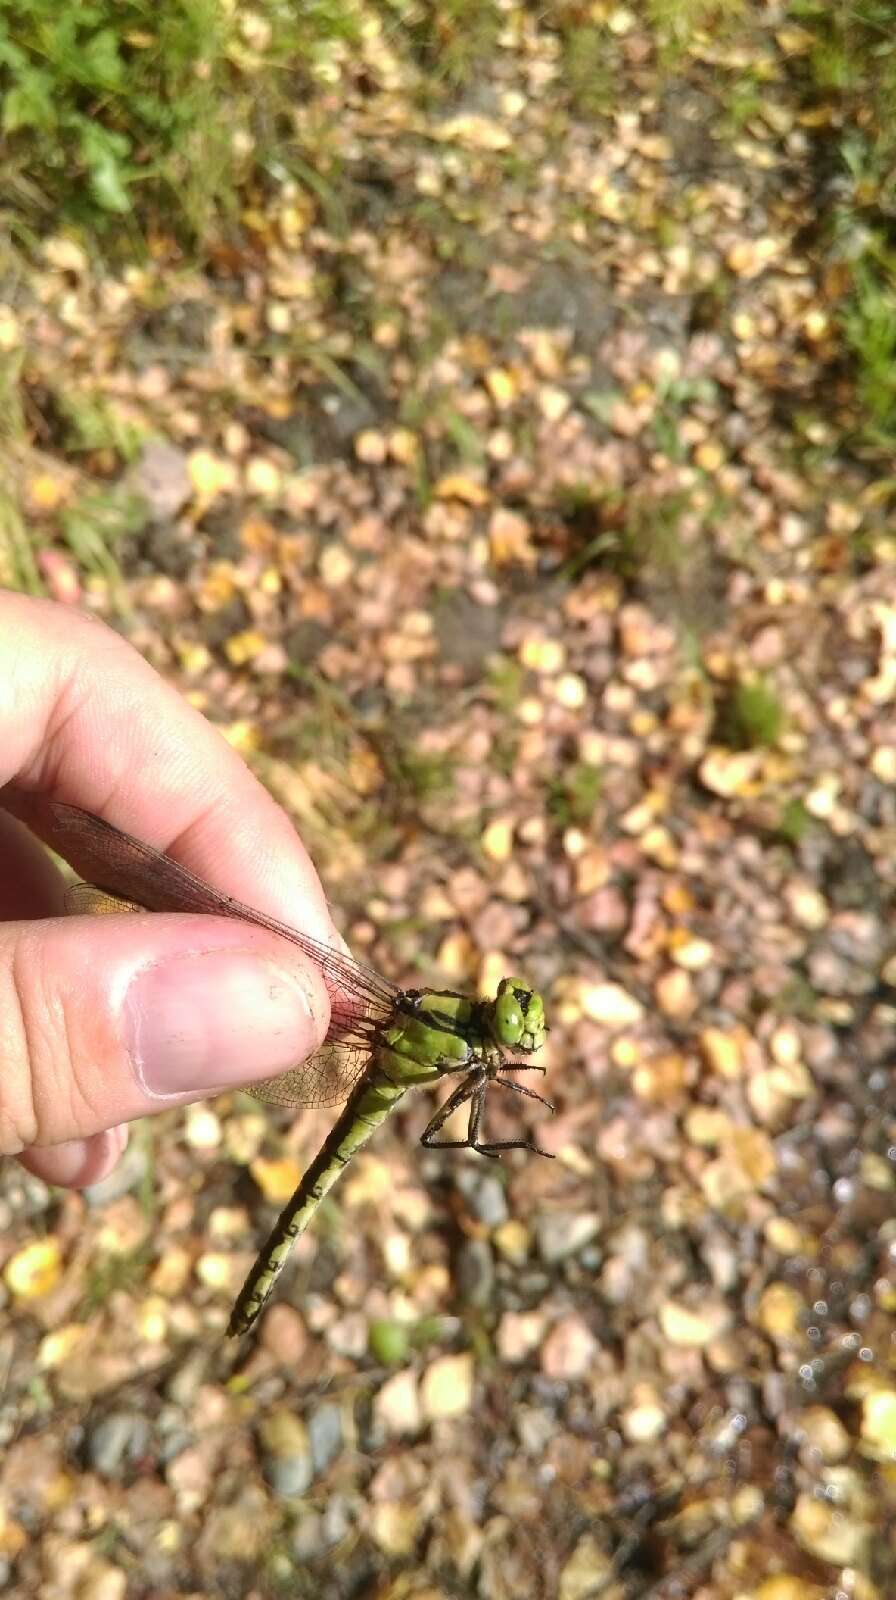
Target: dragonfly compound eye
x=509, y=1020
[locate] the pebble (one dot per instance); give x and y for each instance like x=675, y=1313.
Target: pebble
x=397, y=1405
x=325, y=1435
x=475, y=1272
x=822, y=1432
x=645, y=1420
x=286, y=1453
x=693, y=1328
x=780, y=1311
x=117, y=1442
x=569, y=1349
x=786, y=1586
x=485, y=1195
x=446, y=1388
x=512, y=1240
x=610, y=1005
x=586, y=1572
x=722, y=1050
x=561, y=1234
x=519, y=1333
x=676, y=995
x=829, y=1533
x=879, y=1424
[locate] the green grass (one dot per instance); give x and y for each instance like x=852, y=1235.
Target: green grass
x=449, y=40
x=848, y=76
x=678, y=23
x=750, y=716
x=114, y=1274
x=93, y=526
x=589, y=69
x=572, y=797
x=122, y=116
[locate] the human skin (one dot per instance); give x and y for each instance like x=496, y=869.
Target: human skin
x=105, y=1019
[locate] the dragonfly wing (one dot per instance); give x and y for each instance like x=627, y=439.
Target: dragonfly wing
x=134, y=872
x=83, y=900
x=325, y=1079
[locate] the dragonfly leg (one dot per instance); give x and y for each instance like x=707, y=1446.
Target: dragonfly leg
x=493, y=1147
x=471, y=1089
x=520, y=1088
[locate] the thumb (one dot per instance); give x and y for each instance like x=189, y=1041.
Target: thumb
x=106, y=1019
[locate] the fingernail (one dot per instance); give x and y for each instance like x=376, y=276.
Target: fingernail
x=213, y=1021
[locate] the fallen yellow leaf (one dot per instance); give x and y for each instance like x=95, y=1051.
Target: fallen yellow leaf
x=34, y=1270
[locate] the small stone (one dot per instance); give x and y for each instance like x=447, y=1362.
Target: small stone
x=510, y=539
x=675, y=995
x=117, y=1442
x=784, y=1236
x=879, y=1424
x=785, y=1586
x=278, y=1179
x=60, y=1345
x=722, y=1051
x=241, y=648
x=283, y=1334
x=497, y=839
x=397, y=1405
x=571, y=691
x=586, y=1572
x=693, y=954
x=730, y=774
x=545, y=656
x=446, y=1388
x=519, y=1333
x=263, y=478
x=646, y=1419
x=808, y=908
x=561, y=1234
x=474, y=1272
x=394, y=1525
x=823, y=1432
x=610, y=1005
x=371, y=447
x=707, y=1126
x=103, y=1581
x=694, y=1328
x=502, y=386
x=286, y=1453
x=553, y=403
x=829, y=1533
x=569, y=1350
x=210, y=475
x=485, y=1195
x=876, y=1172
x=460, y=486
x=336, y=565
x=203, y=1128
x=780, y=1311
x=325, y=1434
x=883, y=763
x=512, y=1240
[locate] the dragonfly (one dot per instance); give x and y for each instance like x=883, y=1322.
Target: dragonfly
x=382, y=1040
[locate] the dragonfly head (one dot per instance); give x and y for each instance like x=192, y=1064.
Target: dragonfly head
x=519, y=1016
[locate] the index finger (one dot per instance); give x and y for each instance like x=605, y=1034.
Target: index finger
x=85, y=719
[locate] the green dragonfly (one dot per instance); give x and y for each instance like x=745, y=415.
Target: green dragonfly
x=382, y=1040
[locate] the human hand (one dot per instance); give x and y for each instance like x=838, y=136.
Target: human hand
x=104, y=1019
